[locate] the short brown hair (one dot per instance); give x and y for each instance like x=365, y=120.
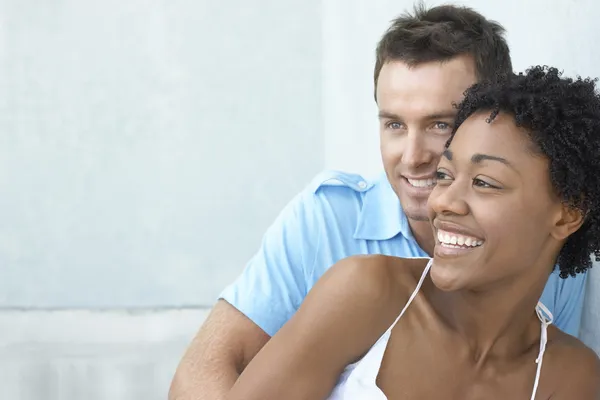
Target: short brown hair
x=442, y=33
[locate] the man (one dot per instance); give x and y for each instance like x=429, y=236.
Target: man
x=425, y=61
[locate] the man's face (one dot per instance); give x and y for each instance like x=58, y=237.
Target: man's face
x=416, y=114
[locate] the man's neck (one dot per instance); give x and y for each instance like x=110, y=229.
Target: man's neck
x=423, y=234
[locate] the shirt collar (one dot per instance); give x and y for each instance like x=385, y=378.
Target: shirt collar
x=381, y=216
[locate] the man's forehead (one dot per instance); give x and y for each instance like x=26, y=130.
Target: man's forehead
x=434, y=80
x=420, y=106
x=411, y=112
x=426, y=91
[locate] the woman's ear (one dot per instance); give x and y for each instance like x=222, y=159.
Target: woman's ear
x=568, y=222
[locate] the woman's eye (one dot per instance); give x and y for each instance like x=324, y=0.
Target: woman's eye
x=441, y=176
x=482, y=184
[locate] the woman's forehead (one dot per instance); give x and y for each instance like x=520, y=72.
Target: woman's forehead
x=500, y=137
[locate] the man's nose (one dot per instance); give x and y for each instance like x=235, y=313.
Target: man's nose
x=415, y=151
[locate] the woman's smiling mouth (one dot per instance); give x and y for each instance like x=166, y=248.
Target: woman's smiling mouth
x=456, y=240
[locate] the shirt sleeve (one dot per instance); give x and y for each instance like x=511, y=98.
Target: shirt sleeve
x=273, y=284
x=568, y=302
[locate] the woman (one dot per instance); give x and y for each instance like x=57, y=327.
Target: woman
x=518, y=190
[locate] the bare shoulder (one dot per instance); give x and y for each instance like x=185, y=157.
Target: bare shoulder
x=380, y=280
x=574, y=351
x=342, y=316
x=573, y=367
x=360, y=294
x=371, y=288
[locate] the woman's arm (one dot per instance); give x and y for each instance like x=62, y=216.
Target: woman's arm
x=340, y=319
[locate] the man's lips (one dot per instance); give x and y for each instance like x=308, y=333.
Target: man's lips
x=426, y=182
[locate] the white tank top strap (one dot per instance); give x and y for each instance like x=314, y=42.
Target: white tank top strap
x=414, y=293
x=359, y=380
x=546, y=319
x=368, y=367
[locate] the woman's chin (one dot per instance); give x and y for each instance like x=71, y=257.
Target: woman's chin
x=446, y=277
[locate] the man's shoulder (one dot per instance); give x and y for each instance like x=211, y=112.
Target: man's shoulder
x=564, y=298
x=329, y=192
x=351, y=209
x=335, y=197
x=334, y=183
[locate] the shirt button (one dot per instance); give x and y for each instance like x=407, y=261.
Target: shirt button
x=362, y=184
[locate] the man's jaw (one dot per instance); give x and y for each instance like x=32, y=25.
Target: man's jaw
x=413, y=194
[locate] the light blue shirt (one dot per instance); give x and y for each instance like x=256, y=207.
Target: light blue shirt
x=339, y=215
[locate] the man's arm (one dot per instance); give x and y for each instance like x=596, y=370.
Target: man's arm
x=263, y=298
x=223, y=347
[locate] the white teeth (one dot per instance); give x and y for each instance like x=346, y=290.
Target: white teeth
x=422, y=182
x=449, y=238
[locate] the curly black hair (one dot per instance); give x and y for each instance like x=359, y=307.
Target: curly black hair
x=562, y=116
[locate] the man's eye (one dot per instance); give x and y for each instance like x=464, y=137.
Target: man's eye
x=442, y=126
x=394, y=125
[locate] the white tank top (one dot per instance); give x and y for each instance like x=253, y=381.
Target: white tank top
x=358, y=381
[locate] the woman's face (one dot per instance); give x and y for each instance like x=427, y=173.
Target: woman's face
x=494, y=213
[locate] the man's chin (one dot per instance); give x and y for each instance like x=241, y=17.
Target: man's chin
x=414, y=207
x=416, y=212
x=417, y=216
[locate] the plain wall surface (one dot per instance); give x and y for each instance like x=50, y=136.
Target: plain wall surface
x=145, y=146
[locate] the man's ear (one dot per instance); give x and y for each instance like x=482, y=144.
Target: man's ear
x=569, y=221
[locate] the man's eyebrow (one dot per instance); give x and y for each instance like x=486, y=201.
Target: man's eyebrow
x=387, y=115
x=440, y=115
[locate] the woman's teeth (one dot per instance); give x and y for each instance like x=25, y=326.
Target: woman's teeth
x=421, y=182
x=453, y=239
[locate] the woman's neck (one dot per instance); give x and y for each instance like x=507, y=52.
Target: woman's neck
x=495, y=322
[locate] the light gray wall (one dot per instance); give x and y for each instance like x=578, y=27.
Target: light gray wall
x=92, y=355
x=147, y=144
